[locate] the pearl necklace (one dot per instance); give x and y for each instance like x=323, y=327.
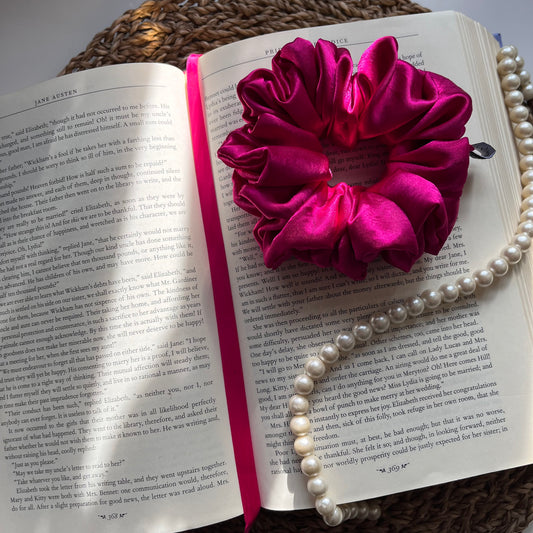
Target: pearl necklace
x=518, y=91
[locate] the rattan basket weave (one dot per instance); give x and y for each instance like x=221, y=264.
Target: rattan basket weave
x=168, y=31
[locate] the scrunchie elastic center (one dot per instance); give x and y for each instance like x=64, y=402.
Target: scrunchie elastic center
x=365, y=165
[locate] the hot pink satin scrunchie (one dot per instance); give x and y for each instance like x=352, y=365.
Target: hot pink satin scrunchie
x=281, y=172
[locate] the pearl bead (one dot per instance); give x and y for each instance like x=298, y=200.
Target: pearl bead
x=510, y=82
x=525, y=146
x=363, y=511
x=527, y=92
x=507, y=51
x=298, y=404
x=346, y=509
x=380, y=322
x=300, y=425
x=519, y=113
x=329, y=353
x=499, y=266
x=324, y=505
x=316, y=486
x=506, y=66
x=449, y=291
x=484, y=277
x=315, y=368
x=514, y=98
x=335, y=518
x=303, y=384
x=374, y=512
x=512, y=254
x=524, y=76
x=432, y=299
x=527, y=177
x=523, y=129
x=526, y=227
x=466, y=285
x=528, y=189
x=345, y=341
x=526, y=215
x=526, y=162
x=351, y=510
x=523, y=241
x=414, y=306
x=527, y=203
x=519, y=60
x=311, y=465
x=304, y=445
x=397, y=313
x=362, y=331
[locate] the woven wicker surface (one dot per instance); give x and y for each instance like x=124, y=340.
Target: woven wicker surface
x=168, y=31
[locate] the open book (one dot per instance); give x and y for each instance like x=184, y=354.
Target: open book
x=114, y=394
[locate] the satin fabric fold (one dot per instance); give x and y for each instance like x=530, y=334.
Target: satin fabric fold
x=281, y=173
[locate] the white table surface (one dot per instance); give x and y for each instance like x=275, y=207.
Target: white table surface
x=39, y=37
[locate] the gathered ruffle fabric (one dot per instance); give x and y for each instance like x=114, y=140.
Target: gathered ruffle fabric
x=281, y=173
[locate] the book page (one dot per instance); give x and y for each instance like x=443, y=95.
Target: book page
x=446, y=395
x=113, y=411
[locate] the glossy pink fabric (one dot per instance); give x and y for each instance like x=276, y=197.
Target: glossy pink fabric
x=281, y=172
x=225, y=314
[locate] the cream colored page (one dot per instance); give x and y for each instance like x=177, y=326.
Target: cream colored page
x=113, y=412
x=444, y=397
